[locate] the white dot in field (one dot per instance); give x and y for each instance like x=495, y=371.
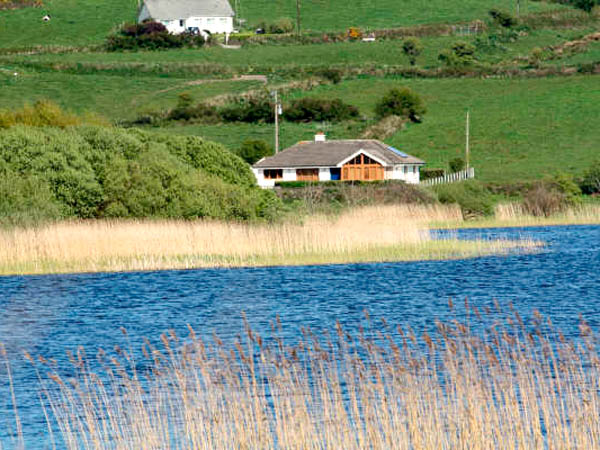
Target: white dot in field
x=16, y=74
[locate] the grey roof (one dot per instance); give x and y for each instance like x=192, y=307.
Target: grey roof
x=182, y=9
x=332, y=153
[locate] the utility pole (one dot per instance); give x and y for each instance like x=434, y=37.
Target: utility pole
x=298, y=18
x=518, y=7
x=277, y=112
x=467, y=150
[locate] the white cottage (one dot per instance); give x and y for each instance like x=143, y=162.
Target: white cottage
x=323, y=160
x=214, y=16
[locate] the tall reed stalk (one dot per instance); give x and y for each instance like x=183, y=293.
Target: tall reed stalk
x=370, y=234
x=512, y=385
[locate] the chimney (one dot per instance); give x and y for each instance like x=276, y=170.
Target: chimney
x=320, y=137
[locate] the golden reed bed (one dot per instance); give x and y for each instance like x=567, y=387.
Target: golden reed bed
x=513, y=385
x=371, y=234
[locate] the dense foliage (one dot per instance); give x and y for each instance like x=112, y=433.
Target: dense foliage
x=150, y=36
x=503, y=18
x=472, y=197
x=590, y=184
x=310, y=109
x=98, y=172
x=250, y=110
x=460, y=54
x=456, y=164
x=585, y=5
x=401, y=102
x=258, y=109
x=253, y=150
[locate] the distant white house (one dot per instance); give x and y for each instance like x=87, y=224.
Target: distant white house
x=178, y=16
x=345, y=160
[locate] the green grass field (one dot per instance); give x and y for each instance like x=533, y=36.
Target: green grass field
x=344, y=53
x=521, y=128
x=323, y=15
x=114, y=97
x=74, y=22
x=85, y=22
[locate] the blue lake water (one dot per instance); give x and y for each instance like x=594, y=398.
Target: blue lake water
x=49, y=315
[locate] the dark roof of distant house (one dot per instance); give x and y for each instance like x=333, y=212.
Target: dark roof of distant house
x=182, y=9
x=332, y=153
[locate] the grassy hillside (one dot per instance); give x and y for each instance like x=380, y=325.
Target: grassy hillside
x=114, y=97
x=324, y=15
x=521, y=128
x=74, y=22
x=84, y=22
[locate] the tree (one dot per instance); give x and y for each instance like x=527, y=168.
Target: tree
x=253, y=150
x=401, y=102
x=412, y=48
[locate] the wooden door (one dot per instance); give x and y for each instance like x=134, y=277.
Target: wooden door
x=363, y=168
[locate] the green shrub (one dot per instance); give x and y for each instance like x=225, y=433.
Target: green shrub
x=282, y=25
x=331, y=74
x=461, y=54
x=412, y=48
x=401, y=102
x=472, y=197
x=536, y=55
x=590, y=183
x=502, y=18
x=428, y=173
x=186, y=110
x=588, y=68
x=456, y=164
x=253, y=150
x=310, y=109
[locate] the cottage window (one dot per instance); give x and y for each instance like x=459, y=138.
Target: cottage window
x=414, y=169
x=210, y=20
x=181, y=22
x=405, y=169
x=223, y=19
x=273, y=174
